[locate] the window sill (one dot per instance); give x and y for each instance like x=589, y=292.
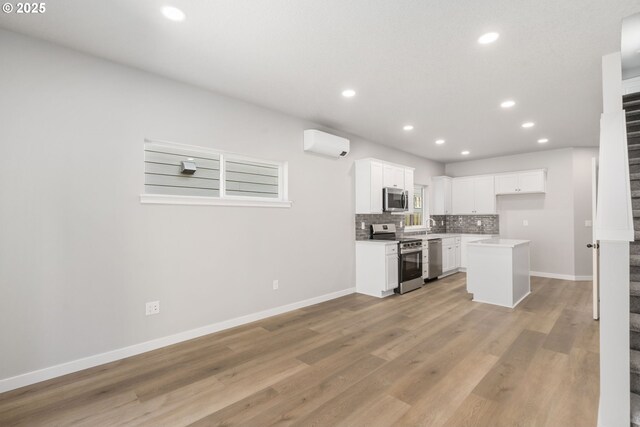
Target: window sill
x=415, y=228
x=162, y=199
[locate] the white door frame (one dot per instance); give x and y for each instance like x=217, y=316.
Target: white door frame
x=595, y=243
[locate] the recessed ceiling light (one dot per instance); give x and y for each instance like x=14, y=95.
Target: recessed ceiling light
x=543, y=140
x=348, y=93
x=408, y=127
x=173, y=13
x=508, y=104
x=528, y=125
x=488, y=38
x=465, y=153
x=439, y=141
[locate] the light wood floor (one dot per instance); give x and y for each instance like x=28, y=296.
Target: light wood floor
x=431, y=358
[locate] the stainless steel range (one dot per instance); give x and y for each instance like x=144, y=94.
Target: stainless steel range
x=409, y=257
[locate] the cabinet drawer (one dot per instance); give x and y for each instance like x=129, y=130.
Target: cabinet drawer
x=391, y=249
x=458, y=239
x=449, y=241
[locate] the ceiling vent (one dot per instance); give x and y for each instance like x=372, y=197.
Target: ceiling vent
x=324, y=143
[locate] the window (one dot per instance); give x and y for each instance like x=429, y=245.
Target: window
x=246, y=178
x=220, y=178
x=418, y=219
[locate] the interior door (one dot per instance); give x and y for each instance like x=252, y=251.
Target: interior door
x=595, y=245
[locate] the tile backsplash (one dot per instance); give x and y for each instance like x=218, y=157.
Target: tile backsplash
x=443, y=224
x=489, y=224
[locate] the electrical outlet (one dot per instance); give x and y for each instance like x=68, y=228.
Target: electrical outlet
x=401, y=224
x=525, y=222
x=362, y=227
x=479, y=223
x=275, y=285
x=152, y=307
x=441, y=222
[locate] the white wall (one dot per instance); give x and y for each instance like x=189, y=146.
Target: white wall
x=79, y=255
x=556, y=219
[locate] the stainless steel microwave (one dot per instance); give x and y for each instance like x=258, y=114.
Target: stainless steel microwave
x=395, y=200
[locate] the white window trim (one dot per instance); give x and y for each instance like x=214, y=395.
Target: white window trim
x=224, y=199
x=165, y=199
x=425, y=215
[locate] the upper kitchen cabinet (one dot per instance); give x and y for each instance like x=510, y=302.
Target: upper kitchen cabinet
x=534, y=181
x=372, y=176
x=393, y=176
x=474, y=195
x=440, y=195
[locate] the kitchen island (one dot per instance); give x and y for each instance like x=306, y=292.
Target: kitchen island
x=498, y=271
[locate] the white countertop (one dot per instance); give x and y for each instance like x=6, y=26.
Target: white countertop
x=505, y=243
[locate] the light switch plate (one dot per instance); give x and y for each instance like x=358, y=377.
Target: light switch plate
x=525, y=222
x=479, y=223
x=276, y=285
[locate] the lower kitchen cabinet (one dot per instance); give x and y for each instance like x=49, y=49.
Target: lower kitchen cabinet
x=451, y=254
x=376, y=268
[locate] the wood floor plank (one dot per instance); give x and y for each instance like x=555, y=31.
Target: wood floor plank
x=431, y=357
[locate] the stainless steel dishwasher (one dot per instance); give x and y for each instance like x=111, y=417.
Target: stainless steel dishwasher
x=435, y=258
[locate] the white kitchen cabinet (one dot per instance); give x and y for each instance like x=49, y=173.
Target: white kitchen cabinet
x=462, y=202
x=425, y=259
x=448, y=254
x=391, y=267
x=457, y=255
x=523, y=182
x=473, y=195
x=371, y=176
x=440, y=194
x=376, y=268
x=393, y=176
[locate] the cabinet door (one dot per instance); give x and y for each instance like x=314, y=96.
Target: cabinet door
x=446, y=258
x=484, y=195
x=387, y=176
x=447, y=196
x=506, y=184
x=436, y=197
x=392, y=271
x=376, y=187
x=462, y=196
x=393, y=176
x=408, y=186
x=531, y=182
x=398, y=177
x=457, y=262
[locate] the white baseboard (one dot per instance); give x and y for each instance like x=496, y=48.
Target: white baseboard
x=561, y=276
x=33, y=377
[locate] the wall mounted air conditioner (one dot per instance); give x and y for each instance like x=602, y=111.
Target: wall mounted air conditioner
x=324, y=143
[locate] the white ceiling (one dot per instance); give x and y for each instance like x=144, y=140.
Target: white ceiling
x=410, y=61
